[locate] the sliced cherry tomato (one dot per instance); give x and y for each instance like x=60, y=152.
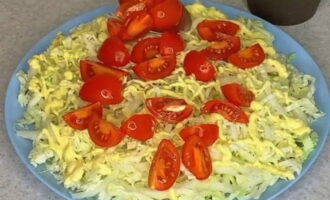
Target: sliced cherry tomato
x=136, y=26
x=102, y=88
x=237, y=94
x=197, y=63
x=104, y=133
x=223, y=49
x=80, y=118
x=114, y=53
x=166, y=15
x=196, y=157
x=149, y=3
x=130, y=8
x=249, y=57
x=208, y=133
x=156, y=68
x=145, y=49
x=171, y=43
x=169, y=109
x=114, y=26
x=213, y=30
x=165, y=167
x=140, y=127
x=228, y=110
x=89, y=68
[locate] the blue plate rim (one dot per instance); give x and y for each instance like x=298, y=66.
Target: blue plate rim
x=101, y=11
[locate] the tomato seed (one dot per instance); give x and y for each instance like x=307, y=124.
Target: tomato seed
x=79, y=121
x=161, y=14
x=106, y=94
x=119, y=56
x=132, y=126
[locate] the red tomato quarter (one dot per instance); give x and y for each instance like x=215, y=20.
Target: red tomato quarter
x=223, y=49
x=140, y=127
x=130, y=8
x=80, y=118
x=237, y=94
x=213, y=30
x=104, y=133
x=114, y=26
x=136, y=26
x=197, y=63
x=249, y=57
x=114, y=53
x=155, y=68
x=171, y=43
x=208, y=133
x=228, y=110
x=166, y=15
x=149, y=3
x=168, y=109
x=103, y=88
x=145, y=49
x=196, y=158
x=88, y=69
x=165, y=167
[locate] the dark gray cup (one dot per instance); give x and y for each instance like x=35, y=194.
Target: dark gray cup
x=284, y=12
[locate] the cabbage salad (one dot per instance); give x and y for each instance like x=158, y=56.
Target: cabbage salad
x=247, y=158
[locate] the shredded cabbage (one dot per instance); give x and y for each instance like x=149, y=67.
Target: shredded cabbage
x=246, y=160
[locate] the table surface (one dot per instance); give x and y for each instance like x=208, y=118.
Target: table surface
x=24, y=22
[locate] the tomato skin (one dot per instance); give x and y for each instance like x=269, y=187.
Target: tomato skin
x=171, y=43
x=145, y=49
x=140, y=127
x=104, y=133
x=196, y=158
x=155, y=68
x=165, y=109
x=89, y=69
x=121, y=2
x=197, y=63
x=113, y=52
x=166, y=15
x=228, y=110
x=213, y=30
x=237, y=94
x=185, y=22
x=136, y=26
x=165, y=167
x=102, y=88
x=80, y=118
x=114, y=26
x=248, y=57
x=223, y=49
x=208, y=133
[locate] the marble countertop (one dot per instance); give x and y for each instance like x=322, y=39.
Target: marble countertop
x=24, y=22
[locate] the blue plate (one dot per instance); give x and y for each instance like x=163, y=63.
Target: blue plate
x=283, y=42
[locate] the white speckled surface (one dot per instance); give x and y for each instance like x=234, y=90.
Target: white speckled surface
x=24, y=22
